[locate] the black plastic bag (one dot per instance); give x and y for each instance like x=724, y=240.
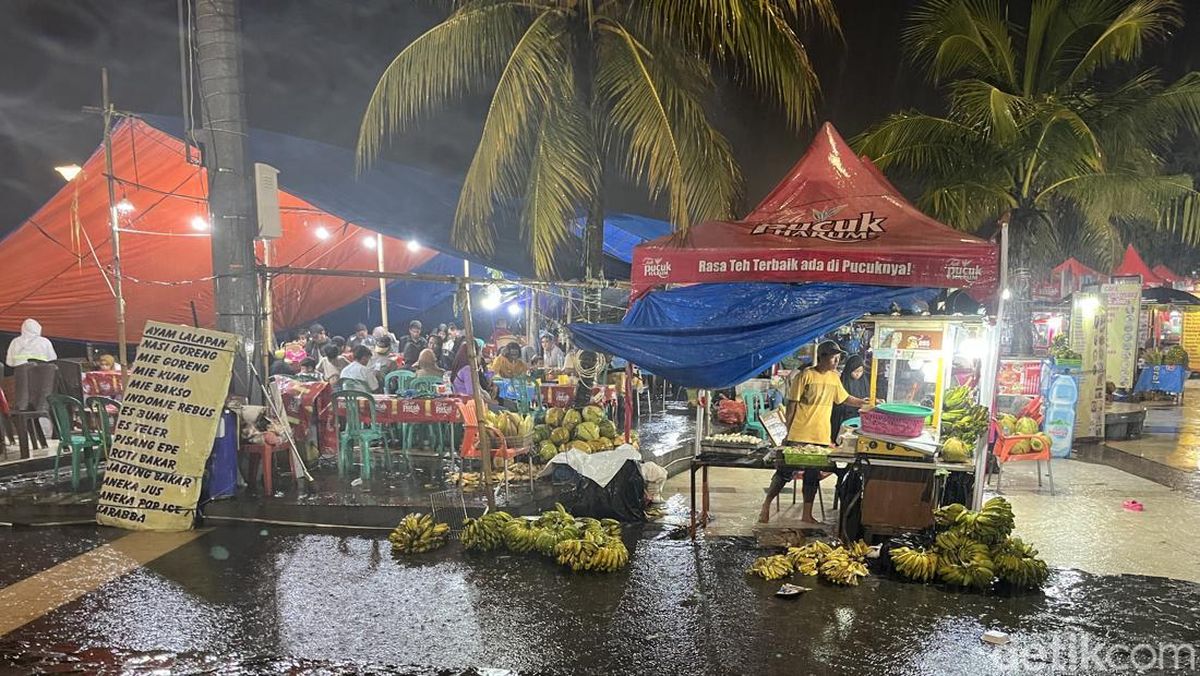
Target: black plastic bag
x=622, y=499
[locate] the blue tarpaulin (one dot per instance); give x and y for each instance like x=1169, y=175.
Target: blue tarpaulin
x=718, y=335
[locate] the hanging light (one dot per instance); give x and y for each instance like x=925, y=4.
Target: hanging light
x=414, y=246
x=199, y=224
x=514, y=309
x=491, y=298
x=369, y=241
x=322, y=233
x=125, y=206
x=69, y=171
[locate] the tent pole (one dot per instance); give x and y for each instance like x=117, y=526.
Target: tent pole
x=988, y=370
x=629, y=401
x=106, y=104
x=268, y=335
x=383, y=301
x=485, y=443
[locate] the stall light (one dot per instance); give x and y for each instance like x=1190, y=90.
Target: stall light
x=125, y=206
x=514, y=309
x=199, y=224
x=489, y=303
x=322, y=233
x=369, y=241
x=1089, y=304
x=1055, y=323
x=414, y=246
x=972, y=348
x=929, y=370
x=69, y=171
x=1006, y=294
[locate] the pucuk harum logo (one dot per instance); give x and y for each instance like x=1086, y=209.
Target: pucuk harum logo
x=823, y=225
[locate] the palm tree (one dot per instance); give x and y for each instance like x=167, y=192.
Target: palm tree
x=1050, y=121
x=591, y=91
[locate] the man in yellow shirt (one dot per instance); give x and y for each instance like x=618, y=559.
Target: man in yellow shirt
x=811, y=398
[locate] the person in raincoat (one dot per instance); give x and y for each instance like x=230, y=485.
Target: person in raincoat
x=30, y=345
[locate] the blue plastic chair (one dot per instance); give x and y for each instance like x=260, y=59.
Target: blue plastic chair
x=755, y=403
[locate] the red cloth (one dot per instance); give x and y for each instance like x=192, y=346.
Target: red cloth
x=563, y=396
x=306, y=403
x=102, y=383
x=392, y=410
x=834, y=218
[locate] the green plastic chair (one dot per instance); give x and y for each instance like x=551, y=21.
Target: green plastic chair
x=307, y=377
x=397, y=381
x=102, y=420
x=755, y=403
x=75, y=435
x=526, y=394
x=426, y=386
x=354, y=433
x=353, y=385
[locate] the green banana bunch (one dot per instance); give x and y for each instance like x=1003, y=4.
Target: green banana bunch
x=1017, y=563
x=946, y=517
x=915, y=564
x=485, y=533
x=417, y=533
x=989, y=525
x=611, y=527
x=774, y=567
x=963, y=562
x=956, y=398
x=520, y=535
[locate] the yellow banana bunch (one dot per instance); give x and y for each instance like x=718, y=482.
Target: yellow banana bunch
x=520, y=535
x=611, y=556
x=1017, y=564
x=841, y=568
x=774, y=567
x=417, y=533
x=485, y=533
x=963, y=561
x=915, y=564
x=611, y=527
x=858, y=549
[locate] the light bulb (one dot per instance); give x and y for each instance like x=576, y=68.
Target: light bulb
x=369, y=241
x=414, y=245
x=125, y=206
x=321, y=233
x=199, y=224
x=69, y=171
x=514, y=309
x=489, y=302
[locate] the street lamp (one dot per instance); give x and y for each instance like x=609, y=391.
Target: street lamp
x=69, y=171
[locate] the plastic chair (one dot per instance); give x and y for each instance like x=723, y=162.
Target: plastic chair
x=398, y=381
x=83, y=445
x=426, y=386
x=354, y=432
x=524, y=389
x=266, y=462
x=755, y=404
x=500, y=444
x=103, y=411
x=8, y=432
x=34, y=382
x=353, y=385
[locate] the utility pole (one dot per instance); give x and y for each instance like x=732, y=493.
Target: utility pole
x=114, y=224
x=234, y=223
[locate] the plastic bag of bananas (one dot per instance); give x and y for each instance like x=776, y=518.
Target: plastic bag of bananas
x=417, y=533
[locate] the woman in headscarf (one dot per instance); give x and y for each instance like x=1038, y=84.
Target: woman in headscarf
x=427, y=364
x=460, y=374
x=855, y=381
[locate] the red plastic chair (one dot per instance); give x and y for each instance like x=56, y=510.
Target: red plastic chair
x=266, y=456
x=501, y=448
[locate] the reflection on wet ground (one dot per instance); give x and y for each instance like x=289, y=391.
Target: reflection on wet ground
x=252, y=600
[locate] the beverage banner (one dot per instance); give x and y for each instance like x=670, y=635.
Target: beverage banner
x=1088, y=320
x=1122, y=307
x=165, y=430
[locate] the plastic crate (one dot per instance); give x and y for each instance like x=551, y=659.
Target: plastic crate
x=891, y=424
x=797, y=458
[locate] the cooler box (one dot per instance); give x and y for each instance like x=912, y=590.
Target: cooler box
x=222, y=468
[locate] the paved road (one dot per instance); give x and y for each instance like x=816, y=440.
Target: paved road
x=245, y=599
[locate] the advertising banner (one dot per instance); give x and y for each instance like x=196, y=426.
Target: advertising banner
x=1122, y=307
x=1189, y=339
x=165, y=430
x=1088, y=330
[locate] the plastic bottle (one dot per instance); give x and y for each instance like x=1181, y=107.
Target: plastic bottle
x=1060, y=415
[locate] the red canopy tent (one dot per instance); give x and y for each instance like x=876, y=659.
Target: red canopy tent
x=834, y=218
x=1132, y=264
x=1166, y=274
x=54, y=261
x=1070, y=276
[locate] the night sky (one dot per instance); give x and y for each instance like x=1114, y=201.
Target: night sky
x=310, y=66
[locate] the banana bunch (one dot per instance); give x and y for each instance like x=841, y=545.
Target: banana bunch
x=485, y=533
x=839, y=567
x=470, y=480
x=417, y=533
x=858, y=549
x=957, y=398
x=611, y=556
x=553, y=527
x=1016, y=563
x=915, y=564
x=961, y=417
x=611, y=527
x=946, y=517
x=963, y=562
x=774, y=567
x=807, y=559
x=592, y=551
x=520, y=535
x=989, y=525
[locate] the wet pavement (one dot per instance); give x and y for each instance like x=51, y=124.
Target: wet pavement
x=252, y=600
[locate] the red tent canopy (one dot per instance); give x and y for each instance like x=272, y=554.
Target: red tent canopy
x=833, y=218
x=53, y=261
x=1166, y=274
x=1076, y=269
x=1132, y=264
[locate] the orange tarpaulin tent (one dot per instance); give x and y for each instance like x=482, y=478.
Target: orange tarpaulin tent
x=57, y=264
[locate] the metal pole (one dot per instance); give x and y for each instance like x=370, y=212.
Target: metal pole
x=990, y=367
x=122, y=342
x=383, y=301
x=485, y=443
x=268, y=311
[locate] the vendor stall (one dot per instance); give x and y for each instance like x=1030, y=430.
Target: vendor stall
x=836, y=223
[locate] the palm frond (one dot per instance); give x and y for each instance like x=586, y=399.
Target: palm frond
x=966, y=205
x=538, y=69
x=963, y=37
x=563, y=174
x=1168, y=200
x=923, y=144
x=753, y=37
x=996, y=113
x=452, y=58
x=1124, y=39
x=666, y=142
